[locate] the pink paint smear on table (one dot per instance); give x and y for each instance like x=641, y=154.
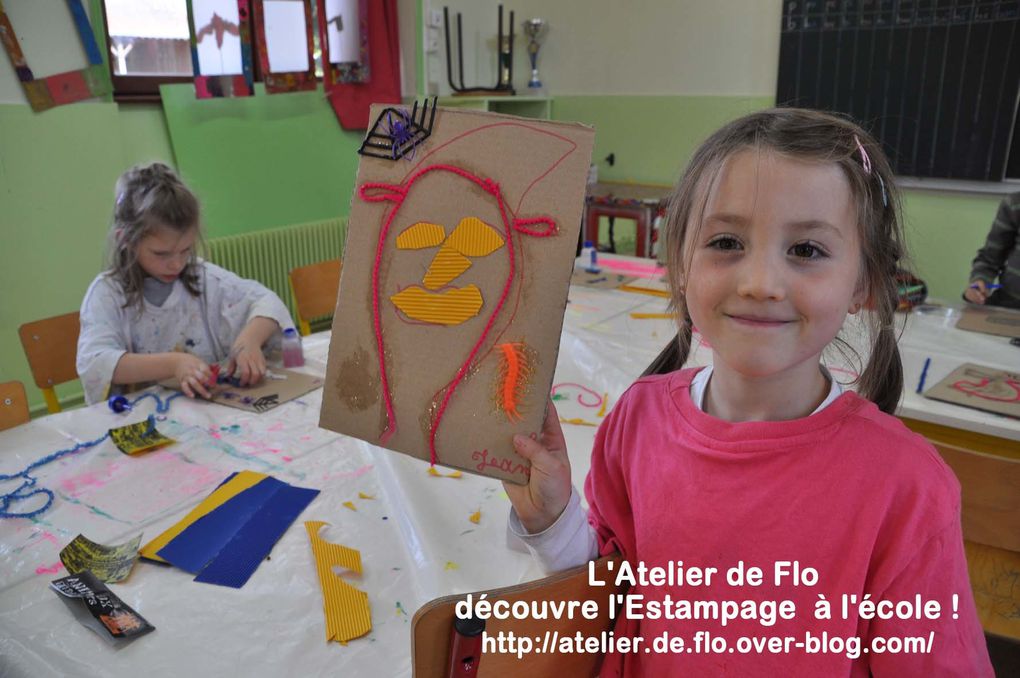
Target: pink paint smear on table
x=350, y=474
x=52, y=569
x=646, y=270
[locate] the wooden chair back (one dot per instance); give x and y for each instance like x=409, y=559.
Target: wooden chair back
x=51, y=346
x=315, y=289
x=13, y=405
x=432, y=625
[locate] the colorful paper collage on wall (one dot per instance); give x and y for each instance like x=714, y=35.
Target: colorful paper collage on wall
x=221, y=48
x=453, y=290
x=63, y=88
x=283, y=30
x=343, y=32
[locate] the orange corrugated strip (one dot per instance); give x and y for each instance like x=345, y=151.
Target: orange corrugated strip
x=420, y=235
x=475, y=238
x=446, y=265
x=449, y=307
x=345, y=607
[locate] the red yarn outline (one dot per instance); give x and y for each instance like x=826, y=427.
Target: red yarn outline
x=397, y=194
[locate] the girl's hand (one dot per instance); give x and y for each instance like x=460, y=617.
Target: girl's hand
x=193, y=375
x=542, y=500
x=247, y=364
x=977, y=293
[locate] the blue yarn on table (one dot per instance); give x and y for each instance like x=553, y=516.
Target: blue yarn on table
x=21, y=493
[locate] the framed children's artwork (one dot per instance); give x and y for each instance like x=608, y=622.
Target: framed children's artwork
x=283, y=29
x=221, y=47
x=343, y=27
x=63, y=88
x=461, y=245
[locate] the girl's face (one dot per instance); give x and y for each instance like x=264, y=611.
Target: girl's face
x=775, y=265
x=164, y=252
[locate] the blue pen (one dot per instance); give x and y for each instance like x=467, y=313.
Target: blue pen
x=924, y=374
x=987, y=287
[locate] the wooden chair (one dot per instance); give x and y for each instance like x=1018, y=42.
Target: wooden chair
x=51, y=346
x=13, y=405
x=991, y=529
x=315, y=289
x=432, y=626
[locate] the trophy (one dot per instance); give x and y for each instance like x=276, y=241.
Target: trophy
x=535, y=30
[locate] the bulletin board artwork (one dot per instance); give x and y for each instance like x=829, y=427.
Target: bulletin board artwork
x=63, y=88
x=343, y=33
x=454, y=284
x=285, y=45
x=221, y=47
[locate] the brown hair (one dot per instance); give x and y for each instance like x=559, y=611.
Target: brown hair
x=147, y=197
x=812, y=136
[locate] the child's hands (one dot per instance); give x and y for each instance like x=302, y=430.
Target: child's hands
x=542, y=500
x=247, y=364
x=977, y=293
x=193, y=375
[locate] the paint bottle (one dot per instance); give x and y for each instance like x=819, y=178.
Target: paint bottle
x=293, y=356
x=589, y=259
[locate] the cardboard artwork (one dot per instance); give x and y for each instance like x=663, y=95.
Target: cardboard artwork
x=279, y=386
x=1001, y=322
x=63, y=88
x=458, y=259
x=221, y=48
x=982, y=388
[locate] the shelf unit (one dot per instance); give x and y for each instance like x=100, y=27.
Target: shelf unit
x=524, y=106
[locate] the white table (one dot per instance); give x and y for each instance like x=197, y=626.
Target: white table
x=415, y=538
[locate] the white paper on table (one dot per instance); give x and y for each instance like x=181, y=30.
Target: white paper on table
x=286, y=35
x=344, y=45
x=214, y=58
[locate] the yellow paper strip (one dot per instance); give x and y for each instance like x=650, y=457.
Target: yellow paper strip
x=238, y=484
x=652, y=316
x=420, y=235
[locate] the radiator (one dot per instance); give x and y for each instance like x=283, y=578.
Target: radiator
x=269, y=255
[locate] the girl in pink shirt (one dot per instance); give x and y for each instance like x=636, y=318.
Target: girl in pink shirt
x=784, y=222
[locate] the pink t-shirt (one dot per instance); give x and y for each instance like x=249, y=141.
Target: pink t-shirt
x=848, y=491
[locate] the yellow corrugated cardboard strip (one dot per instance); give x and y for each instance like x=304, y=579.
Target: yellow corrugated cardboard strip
x=420, y=236
x=449, y=307
x=446, y=265
x=238, y=484
x=475, y=238
x=345, y=607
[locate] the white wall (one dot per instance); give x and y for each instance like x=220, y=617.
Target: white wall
x=665, y=47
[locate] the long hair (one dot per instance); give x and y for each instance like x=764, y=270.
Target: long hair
x=147, y=197
x=817, y=137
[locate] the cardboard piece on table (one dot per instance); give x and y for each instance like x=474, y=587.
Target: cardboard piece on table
x=982, y=388
x=346, y=608
x=138, y=437
x=1002, y=322
x=279, y=386
x=604, y=280
x=465, y=366
x=110, y=564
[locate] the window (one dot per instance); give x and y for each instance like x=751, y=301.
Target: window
x=148, y=45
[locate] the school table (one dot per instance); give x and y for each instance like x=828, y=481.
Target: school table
x=640, y=202
x=415, y=537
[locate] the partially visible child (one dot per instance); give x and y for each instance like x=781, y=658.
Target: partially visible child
x=784, y=222
x=998, y=260
x=159, y=311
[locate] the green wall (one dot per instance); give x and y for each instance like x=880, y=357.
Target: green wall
x=652, y=138
x=268, y=161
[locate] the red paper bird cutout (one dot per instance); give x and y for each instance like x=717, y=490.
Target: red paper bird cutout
x=219, y=26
